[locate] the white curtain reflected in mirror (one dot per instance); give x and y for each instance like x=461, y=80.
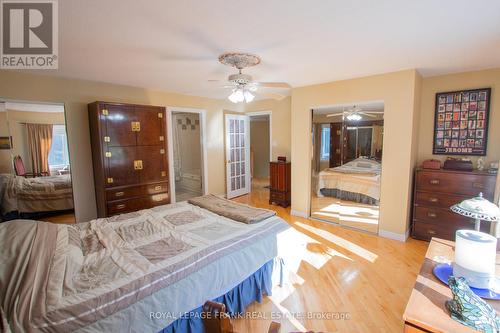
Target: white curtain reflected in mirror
x=35, y=174
x=346, y=164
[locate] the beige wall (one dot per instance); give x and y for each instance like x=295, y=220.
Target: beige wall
x=398, y=92
x=5, y=154
x=461, y=81
x=17, y=128
x=76, y=94
x=259, y=142
x=280, y=123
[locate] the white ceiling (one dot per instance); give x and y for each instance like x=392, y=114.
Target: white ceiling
x=31, y=107
x=174, y=45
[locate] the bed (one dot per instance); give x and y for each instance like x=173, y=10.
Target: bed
x=35, y=195
x=137, y=272
x=358, y=180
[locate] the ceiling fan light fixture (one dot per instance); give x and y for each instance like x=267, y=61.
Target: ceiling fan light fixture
x=354, y=117
x=248, y=96
x=237, y=96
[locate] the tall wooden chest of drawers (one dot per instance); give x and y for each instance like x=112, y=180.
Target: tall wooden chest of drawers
x=280, y=185
x=436, y=191
x=129, y=155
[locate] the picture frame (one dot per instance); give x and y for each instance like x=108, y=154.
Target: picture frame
x=5, y=142
x=461, y=121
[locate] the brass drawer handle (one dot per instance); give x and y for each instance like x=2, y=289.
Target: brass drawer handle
x=120, y=206
x=434, y=181
x=478, y=185
x=433, y=199
x=138, y=165
x=432, y=232
x=433, y=215
x=119, y=194
x=136, y=126
x=158, y=188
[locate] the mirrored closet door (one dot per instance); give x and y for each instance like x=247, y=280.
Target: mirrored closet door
x=346, y=164
x=35, y=173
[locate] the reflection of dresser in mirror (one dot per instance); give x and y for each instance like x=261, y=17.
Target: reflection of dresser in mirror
x=35, y=174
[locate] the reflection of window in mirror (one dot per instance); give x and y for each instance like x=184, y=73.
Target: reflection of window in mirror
x=58, y=155
x=325, y=142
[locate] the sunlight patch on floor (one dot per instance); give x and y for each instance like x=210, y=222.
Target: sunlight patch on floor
x=350, y=213
x=350, y=246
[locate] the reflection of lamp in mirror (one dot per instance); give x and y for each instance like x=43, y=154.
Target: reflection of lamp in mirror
x=475, y=251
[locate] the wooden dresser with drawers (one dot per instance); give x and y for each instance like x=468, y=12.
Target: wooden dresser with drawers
x=280, y=183
x=436, y=191
x=129, y=154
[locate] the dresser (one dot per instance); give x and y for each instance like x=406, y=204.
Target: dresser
x=280, y=183
x=436, y=191
x=129, y=155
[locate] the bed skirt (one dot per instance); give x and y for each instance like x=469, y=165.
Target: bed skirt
x=236, y=300
x=351, y=196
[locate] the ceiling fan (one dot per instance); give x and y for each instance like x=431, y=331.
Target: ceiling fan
x=355, y=113
x=242, y=85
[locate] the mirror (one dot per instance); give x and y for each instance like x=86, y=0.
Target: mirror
x=35, y=174
x=347, y=163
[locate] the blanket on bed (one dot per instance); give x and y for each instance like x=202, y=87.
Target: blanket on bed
x=366, y=184
x=59, y=278
x=39, y=194
x=231, y=209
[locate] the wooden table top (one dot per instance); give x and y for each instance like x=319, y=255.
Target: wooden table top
x=426, y=307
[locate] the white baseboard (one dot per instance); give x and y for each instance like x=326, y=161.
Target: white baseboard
x=393, y=235
x=298, y=213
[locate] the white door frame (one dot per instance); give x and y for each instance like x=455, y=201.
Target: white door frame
x=248, y=186
x=270, y=114
x=203, y=131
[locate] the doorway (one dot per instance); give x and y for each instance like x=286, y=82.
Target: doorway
x=186, y=153
x=260, y=148
x=347, y=164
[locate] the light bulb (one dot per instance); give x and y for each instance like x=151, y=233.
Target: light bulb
x=354, y=117
x=239, y=95
x=248, y=96
x=233, y=97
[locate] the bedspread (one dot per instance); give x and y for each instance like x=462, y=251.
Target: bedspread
x=39, y=194
x=59, y=278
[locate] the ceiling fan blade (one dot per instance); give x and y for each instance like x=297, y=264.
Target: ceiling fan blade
x=367, y=114
x=374, y=112
x=334, y=115
x=273, y=85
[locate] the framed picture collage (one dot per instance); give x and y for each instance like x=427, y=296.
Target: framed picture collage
x=461, y=122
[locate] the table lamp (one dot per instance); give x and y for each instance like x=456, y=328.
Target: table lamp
x=475, y=251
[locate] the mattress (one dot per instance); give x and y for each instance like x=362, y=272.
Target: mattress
x=116, y=274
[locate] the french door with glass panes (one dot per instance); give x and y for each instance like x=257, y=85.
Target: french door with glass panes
x=237, y=155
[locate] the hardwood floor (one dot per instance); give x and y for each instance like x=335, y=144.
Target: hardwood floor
x=347, y=213
x=60, y=218
x=336, y=270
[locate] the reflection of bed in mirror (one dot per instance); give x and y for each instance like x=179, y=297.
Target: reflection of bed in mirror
x=358, y=181
x=25, y=197
x=35, y=177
